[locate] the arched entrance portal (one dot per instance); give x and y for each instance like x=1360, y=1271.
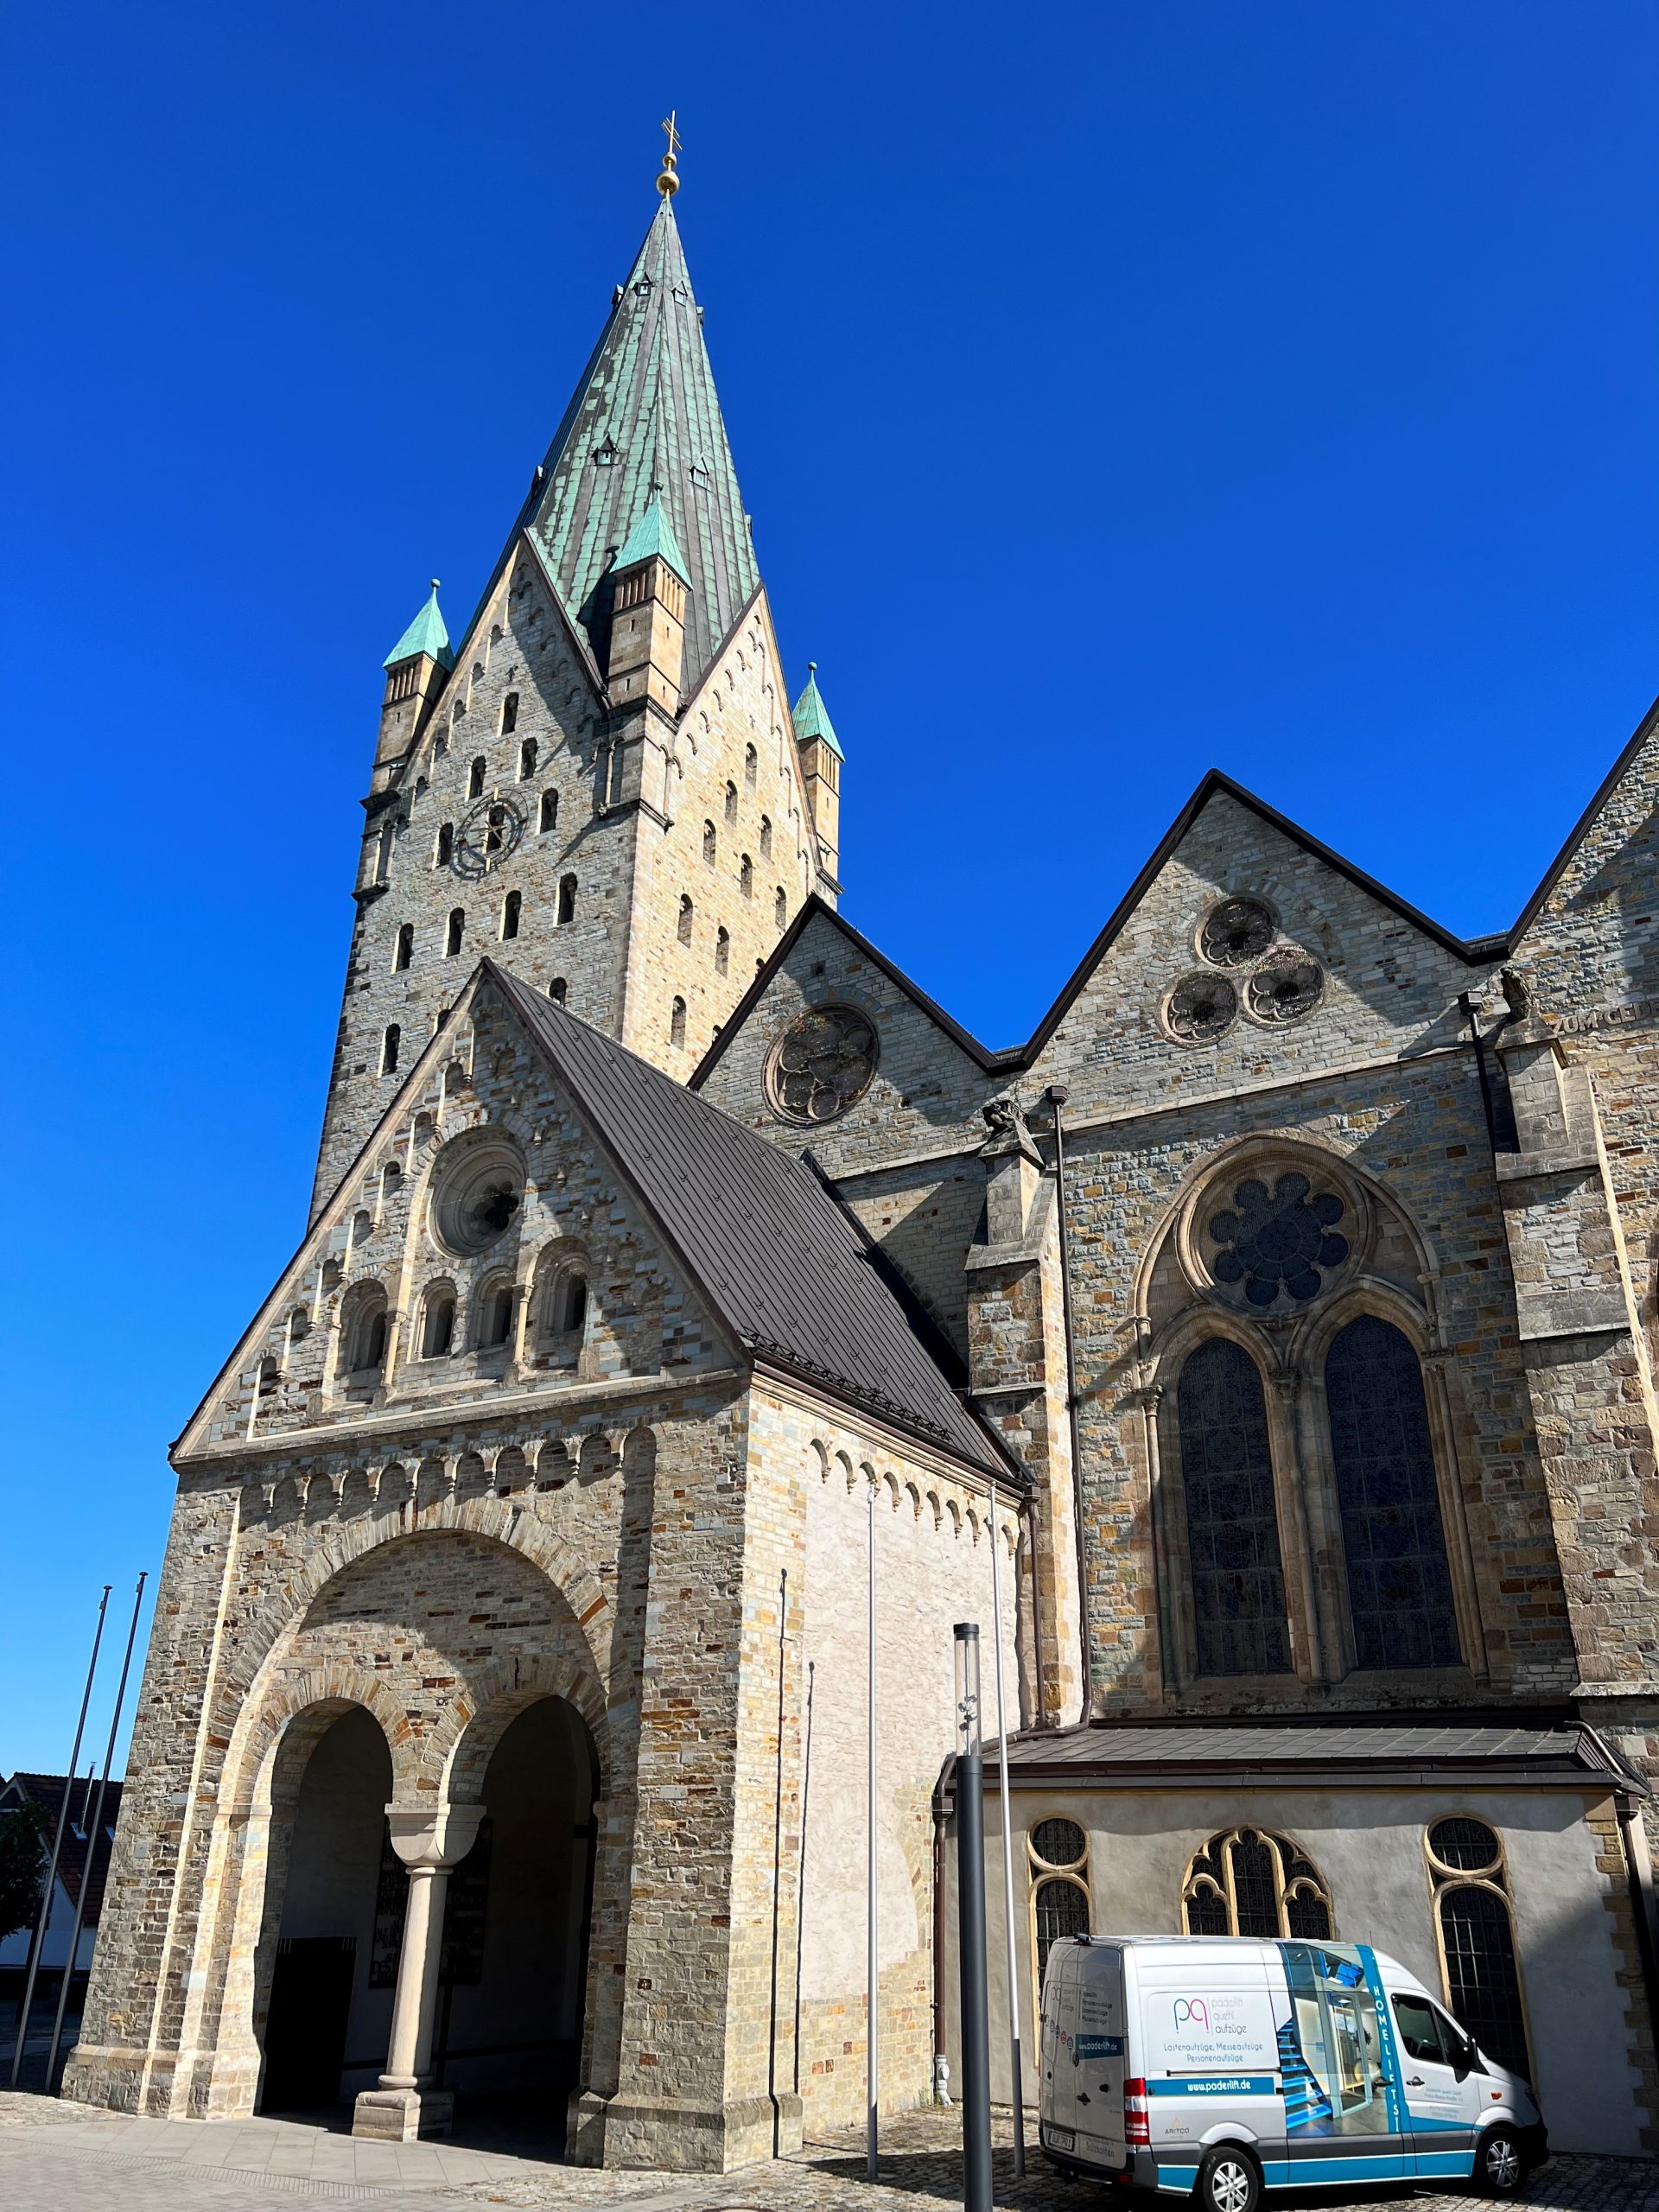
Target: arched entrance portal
x=514, y=1965
x=511, y=1968
x=327, y=2004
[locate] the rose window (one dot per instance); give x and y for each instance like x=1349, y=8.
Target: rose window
x=1236, y=931
x=1287, y=988
x=1278, y=1240
x=480, y=1195
x=823, y=1064
x=1200, y=1008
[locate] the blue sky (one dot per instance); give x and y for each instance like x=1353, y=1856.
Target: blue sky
x=1118, y=392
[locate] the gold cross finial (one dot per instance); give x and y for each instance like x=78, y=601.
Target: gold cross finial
x=667, y=183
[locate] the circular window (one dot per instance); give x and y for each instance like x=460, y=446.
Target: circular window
x=488, y=832
x=479, y=1197
x=1058, y=1843
x=1200, y=1008
x=1286, y=989
x=1236, y=931
x=1280, y=1240
x=822, y=1063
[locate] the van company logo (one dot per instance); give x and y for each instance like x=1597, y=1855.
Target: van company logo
x=1192, y=2013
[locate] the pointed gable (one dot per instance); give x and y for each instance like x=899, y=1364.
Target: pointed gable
x=644, y=420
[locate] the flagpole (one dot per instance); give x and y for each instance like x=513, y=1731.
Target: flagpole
x=871, y=1964
x=92, y=1834
x=1016, y=2082
x=37, y=1941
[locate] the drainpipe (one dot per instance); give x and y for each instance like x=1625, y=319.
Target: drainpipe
x=1056, y=1094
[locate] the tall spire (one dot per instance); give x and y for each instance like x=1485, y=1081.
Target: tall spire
x=646, y=421
x=425, y=634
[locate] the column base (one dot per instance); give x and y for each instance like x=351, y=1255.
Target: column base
x=679, y=2136
x=403, y=2115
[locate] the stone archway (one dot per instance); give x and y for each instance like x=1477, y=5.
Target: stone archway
x=445, y=1634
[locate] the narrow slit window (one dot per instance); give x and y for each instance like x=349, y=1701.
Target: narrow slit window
x=710, y=844
x=475, y=778
x=745, y=876
x=557, y=989
x=510, y=714
x=510, y=907
x=527, y=756
x=766, y=836
x=731, y=802
x=780, y=907
x=495, y=1318
x=549, y=815
x=686, y=918
x=676, y=1023
x=456, y=932
x=751, y=766
x=390, y=1045
x=722, y=951
x=405, y=952
x=567, y=909
x=443, y=851
x=438, y=1327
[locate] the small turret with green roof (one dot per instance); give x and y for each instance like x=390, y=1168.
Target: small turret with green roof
x=811, y=716
x=425, y=634
x=652, y=538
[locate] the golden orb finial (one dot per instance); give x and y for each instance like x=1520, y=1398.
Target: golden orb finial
x=667, y=183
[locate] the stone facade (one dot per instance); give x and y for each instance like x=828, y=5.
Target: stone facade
x=1313, y=1387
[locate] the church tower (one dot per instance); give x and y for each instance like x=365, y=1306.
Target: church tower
x=599, y=782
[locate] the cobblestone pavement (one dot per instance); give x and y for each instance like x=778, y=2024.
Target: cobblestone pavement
x=57, y=2157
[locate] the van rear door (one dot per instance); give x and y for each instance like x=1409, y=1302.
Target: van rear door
x=1057, y=2094
x=1100, y=2053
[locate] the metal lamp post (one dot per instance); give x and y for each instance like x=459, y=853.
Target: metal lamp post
x=970, y=1928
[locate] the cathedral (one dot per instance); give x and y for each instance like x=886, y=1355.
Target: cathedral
x=695, y=1323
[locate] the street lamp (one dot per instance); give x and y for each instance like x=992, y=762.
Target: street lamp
x=970, y=1928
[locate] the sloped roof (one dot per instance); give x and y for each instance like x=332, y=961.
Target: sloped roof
x=46, y=1790
x=1544, y=1747
x=647, y=405
x=811, y=717
x=778, y=1258
x=652, y=537
x=425, y=634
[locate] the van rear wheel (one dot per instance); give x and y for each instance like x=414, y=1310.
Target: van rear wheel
x=1230, y=2180
x=1500, y=2163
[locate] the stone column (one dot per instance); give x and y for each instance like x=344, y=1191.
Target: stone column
x=429, y=1839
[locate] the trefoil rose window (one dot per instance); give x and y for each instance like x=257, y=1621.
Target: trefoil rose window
x=824, y=1063
x=1236, y=932
x=1200, y=1009
x=1277, y=1243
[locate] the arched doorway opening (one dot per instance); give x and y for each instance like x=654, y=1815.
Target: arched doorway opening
x=512, y=1981
x=330, y=2010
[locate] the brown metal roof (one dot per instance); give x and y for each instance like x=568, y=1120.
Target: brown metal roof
x=778, y=1258
x=46, y=1790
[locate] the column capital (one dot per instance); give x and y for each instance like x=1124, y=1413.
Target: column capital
x=430, y=1837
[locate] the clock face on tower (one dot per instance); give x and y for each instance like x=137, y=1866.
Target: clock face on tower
x=487, y=833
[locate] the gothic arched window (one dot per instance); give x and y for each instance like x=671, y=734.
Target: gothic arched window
x=1057, y=1851
x=1232, y=1530
x=1477, y=1933
x=1248, y=1882
x=1399, y=1586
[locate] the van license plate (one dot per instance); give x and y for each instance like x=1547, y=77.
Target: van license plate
x=1060, y=2138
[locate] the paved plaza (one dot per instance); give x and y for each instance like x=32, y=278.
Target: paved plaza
x=55, y=2157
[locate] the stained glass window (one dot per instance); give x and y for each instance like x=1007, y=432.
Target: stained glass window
x=1248, y=1882
x=1483, y=1982
x=1399, y=1588
x=1062, y=1910
x=1278, y=1243
x=1232, y=1531
x=1058, y=1843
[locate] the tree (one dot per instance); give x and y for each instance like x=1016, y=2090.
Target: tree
x=22, y=1865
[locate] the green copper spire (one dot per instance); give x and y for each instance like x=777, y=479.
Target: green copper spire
x=644, y=424
x=652, y=538
x=425, y=634
x=811, y=716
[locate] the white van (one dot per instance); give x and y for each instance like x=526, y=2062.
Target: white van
x=1221, y=2065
